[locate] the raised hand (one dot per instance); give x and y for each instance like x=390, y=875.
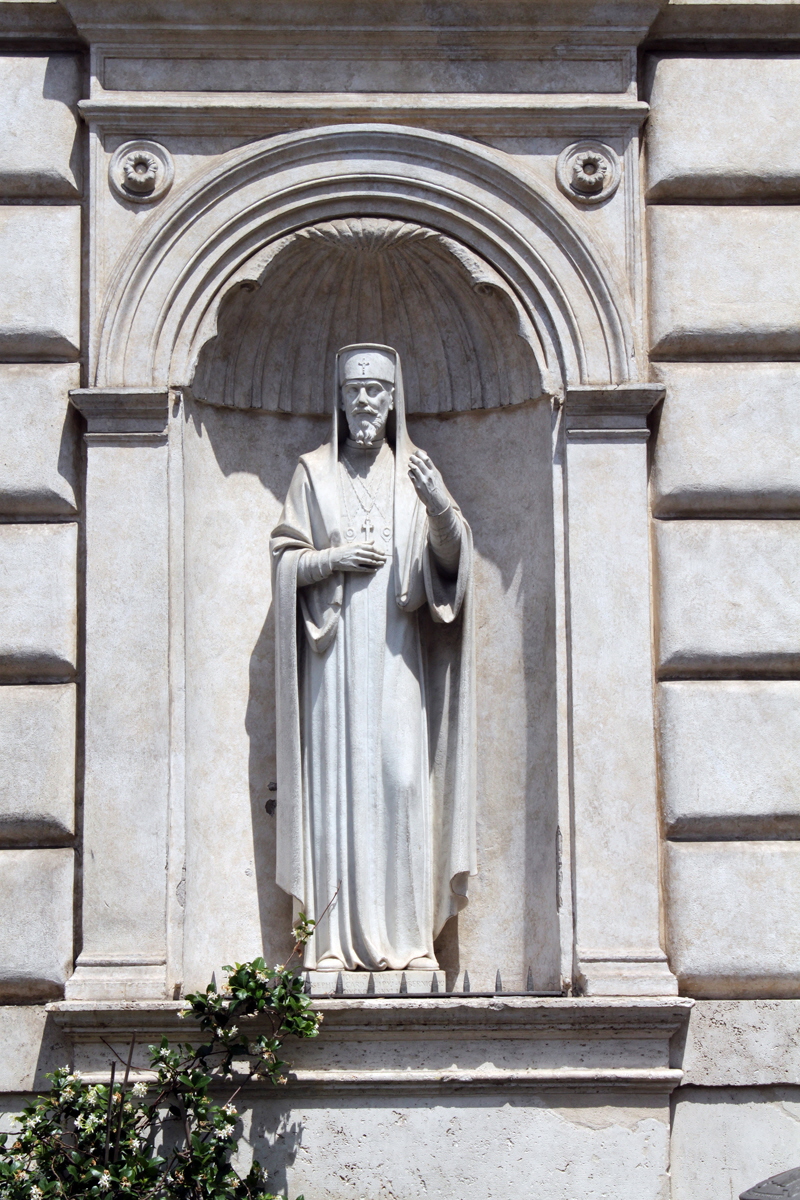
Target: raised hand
x=428, y=482
x=357, y=556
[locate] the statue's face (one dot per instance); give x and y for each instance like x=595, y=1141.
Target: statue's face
x=367, y=404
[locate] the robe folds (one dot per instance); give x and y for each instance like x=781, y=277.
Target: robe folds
x=375, y=692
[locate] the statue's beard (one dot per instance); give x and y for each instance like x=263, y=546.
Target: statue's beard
x=370, y=430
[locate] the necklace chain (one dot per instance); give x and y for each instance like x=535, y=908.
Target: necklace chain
x=363, y=493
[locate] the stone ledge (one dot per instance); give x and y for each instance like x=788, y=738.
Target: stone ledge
x=123, y=416
x=415, y=1014
x=428, y=1044
x=275, y=112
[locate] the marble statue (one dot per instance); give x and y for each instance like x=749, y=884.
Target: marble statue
x=375, y=684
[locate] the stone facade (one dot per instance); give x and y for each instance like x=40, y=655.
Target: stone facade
x=614, y=393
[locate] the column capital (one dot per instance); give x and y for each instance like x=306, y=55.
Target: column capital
x=610, y=413
x=123, y=416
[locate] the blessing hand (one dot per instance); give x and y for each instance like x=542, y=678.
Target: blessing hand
x=428, y=482
x=357, y=556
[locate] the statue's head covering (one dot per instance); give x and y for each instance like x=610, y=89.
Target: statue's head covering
x=367, y=362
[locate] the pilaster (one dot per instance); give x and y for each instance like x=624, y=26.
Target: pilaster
x=615, y=828
x=127, y=769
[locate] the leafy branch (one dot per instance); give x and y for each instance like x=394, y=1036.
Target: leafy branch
x=163, y=1138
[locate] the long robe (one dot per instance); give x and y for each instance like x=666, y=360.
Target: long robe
x=375, y=707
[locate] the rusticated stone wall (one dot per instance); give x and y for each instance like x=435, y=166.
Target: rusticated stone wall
x=623, y=1013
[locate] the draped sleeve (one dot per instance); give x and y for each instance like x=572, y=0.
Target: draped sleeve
x=302, y=527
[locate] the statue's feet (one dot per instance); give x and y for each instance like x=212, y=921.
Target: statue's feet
x=330, y=963
x=426, y=963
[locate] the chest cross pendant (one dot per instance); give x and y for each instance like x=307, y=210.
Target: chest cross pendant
x=368, y=529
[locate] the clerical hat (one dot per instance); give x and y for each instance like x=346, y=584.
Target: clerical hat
x=367, y=361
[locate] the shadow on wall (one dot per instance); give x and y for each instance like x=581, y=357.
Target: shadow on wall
x=238, y=465
x=62, y=83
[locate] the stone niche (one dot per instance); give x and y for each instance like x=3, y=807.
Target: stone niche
x=261, y=394
x=211, y=370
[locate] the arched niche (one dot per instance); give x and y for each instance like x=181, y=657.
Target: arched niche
x=220, y=230
x=465, y=340
x=260, y=396
x=223, y=294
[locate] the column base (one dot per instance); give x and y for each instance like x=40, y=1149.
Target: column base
x=117, y=978
x=625, y=977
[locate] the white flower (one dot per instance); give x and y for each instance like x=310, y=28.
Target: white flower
x=227, y=1131
x=67, y=1094
x=164, y=1052
x=234, y=1029
x=79, y=1122
x=36, y=1193
x=229, y=1110
x=104, y=1181
x=140, y=1089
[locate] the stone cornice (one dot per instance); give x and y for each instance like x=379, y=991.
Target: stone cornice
x=35, y=20
x=473, y=1016
x=434, y=1045
x=617, y=412
x=123, y=415
x=259, y=114
x=613, y=22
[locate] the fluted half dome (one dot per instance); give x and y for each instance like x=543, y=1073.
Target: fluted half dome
x=464, y=339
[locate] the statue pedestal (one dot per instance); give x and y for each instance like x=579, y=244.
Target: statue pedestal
x=375, y=983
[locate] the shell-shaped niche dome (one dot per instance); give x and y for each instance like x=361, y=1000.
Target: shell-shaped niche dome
x=465, y=341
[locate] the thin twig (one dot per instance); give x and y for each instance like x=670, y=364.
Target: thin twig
x=113, y=1051
x=122, y=1097
x=329, y=905
x=108, y=1113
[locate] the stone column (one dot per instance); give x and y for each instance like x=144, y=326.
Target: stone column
x=126, y=788
x=615, y=820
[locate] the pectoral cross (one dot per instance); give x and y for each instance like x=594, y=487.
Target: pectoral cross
x=368, y=529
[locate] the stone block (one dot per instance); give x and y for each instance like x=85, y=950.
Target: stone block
x=727, y=596
x=728, y=439
x=40, y=265
x=732, y=918
x=736, y=1043
x=36, y=914
x=39, y=144
x=37, y=763
x=718, y=126
x=38, y=1047
x=726, y=1139
x=38, y=620
x=594, y=1147
x=730, y=757
x=38, y=468
x=724, y=280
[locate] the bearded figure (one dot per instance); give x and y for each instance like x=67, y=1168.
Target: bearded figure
x=375, y=684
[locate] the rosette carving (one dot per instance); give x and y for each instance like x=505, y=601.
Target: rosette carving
x=588, y=172
x=140, y=171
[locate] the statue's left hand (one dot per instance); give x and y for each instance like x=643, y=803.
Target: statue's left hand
x=428, y=482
